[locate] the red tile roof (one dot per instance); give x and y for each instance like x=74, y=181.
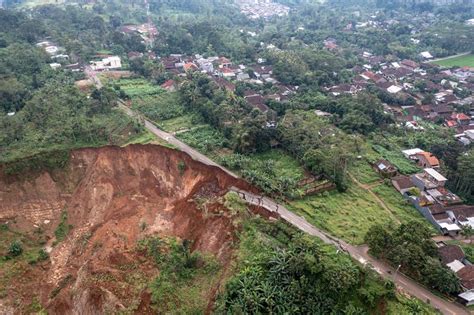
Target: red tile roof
x=430, y=158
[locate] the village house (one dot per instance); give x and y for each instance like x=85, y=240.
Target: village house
x=411, y=153
x=189, y=66
x=409, y=64
x=454, y=258
x=224, y=84
x=429, y=179
x=108, y=63
x=385, y=168
x=402, y=183
x=427, y=160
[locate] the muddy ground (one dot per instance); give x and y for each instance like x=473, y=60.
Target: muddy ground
x=113, y=197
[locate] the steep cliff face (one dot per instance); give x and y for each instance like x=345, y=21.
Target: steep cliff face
x=112, y=197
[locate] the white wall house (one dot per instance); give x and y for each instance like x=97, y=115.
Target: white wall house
x=109, y=63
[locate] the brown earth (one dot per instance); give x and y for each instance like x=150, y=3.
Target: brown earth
x=113, y=197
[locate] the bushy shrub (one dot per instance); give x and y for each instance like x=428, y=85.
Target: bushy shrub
x=15, y=249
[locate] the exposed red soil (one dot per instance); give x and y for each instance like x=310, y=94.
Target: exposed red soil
x=113, y=197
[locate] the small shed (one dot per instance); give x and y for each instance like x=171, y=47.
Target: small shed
x=385, y=168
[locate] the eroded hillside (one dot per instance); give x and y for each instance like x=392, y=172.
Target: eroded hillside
x=89, y=216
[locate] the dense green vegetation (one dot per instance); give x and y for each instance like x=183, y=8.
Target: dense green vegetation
x=60, y=118
x=321, y=147
x=363, y=113
x=160, y=107
x=279, y=270
x=410, y=248
x=62, y=230
x=295, y=273
x=275, y=172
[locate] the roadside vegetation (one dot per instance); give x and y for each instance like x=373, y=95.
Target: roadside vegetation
x=410, y=248
x=269, y=282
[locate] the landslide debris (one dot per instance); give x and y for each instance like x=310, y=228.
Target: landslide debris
x=79, y=226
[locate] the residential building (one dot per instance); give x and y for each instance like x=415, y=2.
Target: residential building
x=385, y=168
x=108, y=63
x=429, y=179
x=402, y=183
x=427, y=160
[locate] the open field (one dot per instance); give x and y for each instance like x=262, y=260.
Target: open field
x=138, y=87
x=349, y=215
x=457, y=61
x=182, y=123
x=206, y=140
x=284, y=164
x=364, y=172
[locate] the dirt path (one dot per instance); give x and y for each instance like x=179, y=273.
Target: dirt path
x=368, y=188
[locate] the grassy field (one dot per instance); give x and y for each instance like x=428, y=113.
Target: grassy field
x=460, y=61
x=396, y=157
x=401, y=208
x=346, y=215
x=364, y=172
x=205, y=139
x=349, y=215
x=138, y=87
x=181, y=123
x=275, y=172
x=284, y=164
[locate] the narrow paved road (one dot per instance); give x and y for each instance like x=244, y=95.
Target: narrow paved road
x=358, y=253
x=168, y=137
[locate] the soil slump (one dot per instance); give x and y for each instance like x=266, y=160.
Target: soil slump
x=113, y=197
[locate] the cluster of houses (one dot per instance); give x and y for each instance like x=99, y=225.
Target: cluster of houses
x=55, y=52
x=427, y=192
x=225, y=74
x=256, y=9
x=442, y=208
x=416, y=91
x=455, y=259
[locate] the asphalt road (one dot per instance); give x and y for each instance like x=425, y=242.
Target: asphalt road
x=168, y=137
x=356, y=252
x=359, y=253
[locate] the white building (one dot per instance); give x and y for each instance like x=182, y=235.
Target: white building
x=55, y=65
x=411, y=152
x=426, y=55
x=109, y=63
